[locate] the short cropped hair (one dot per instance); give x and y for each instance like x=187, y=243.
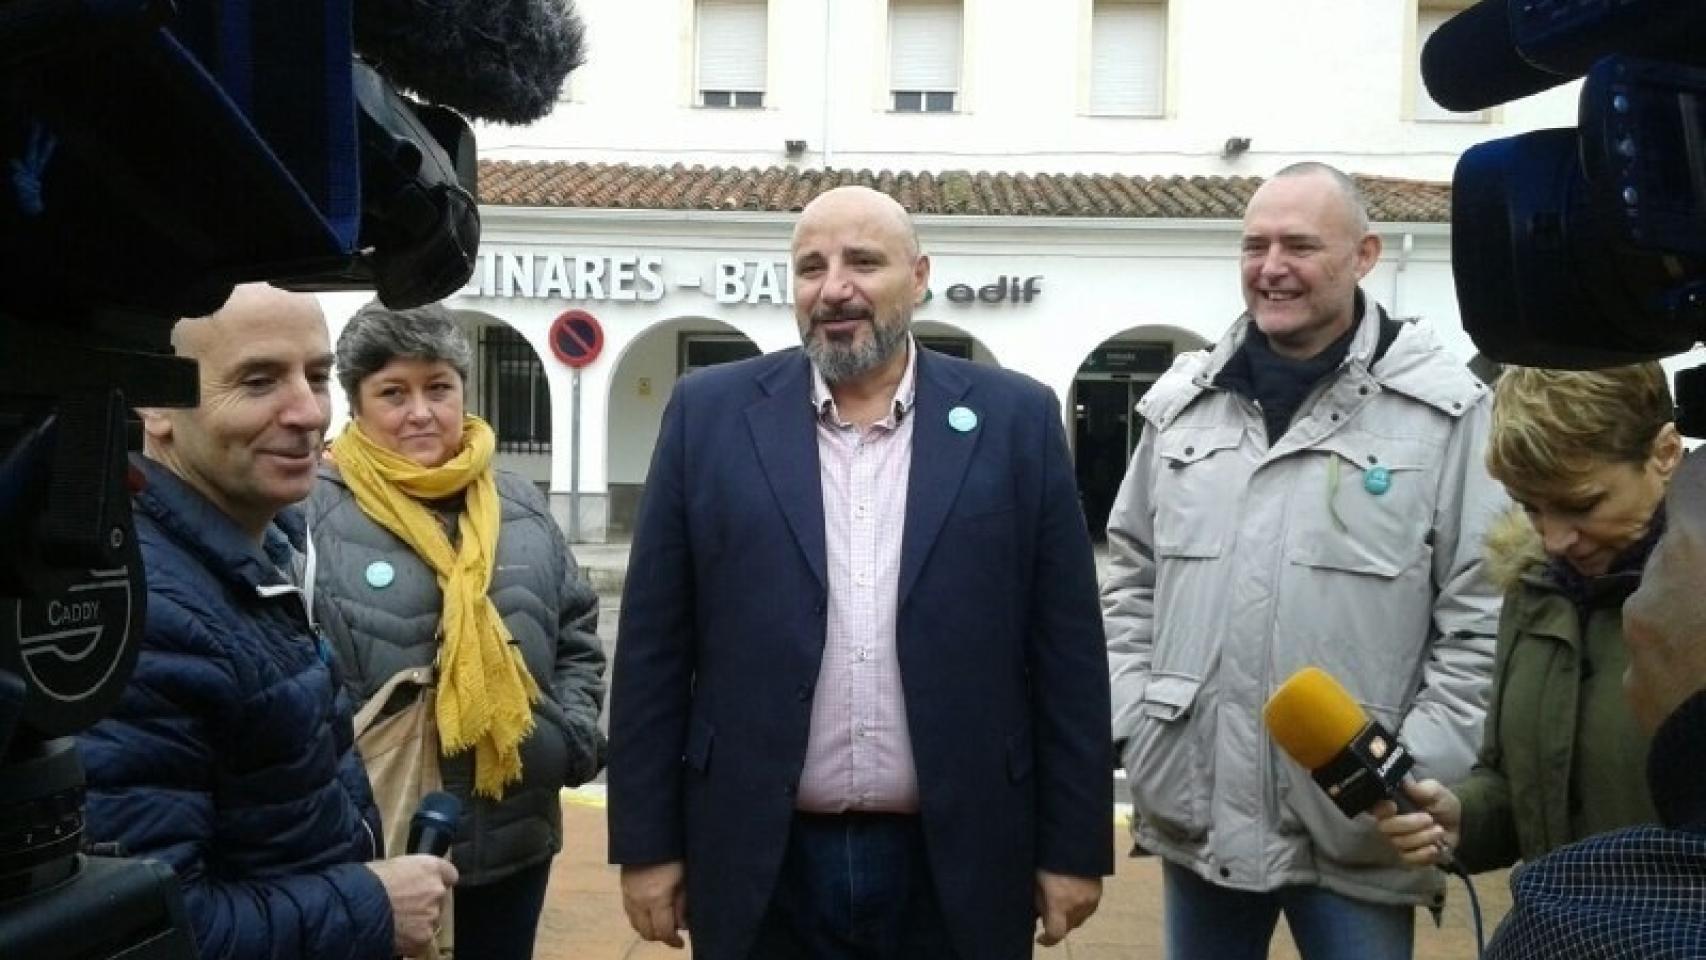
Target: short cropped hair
x=1552, y=427
x=1348, y=188
x=377, y=335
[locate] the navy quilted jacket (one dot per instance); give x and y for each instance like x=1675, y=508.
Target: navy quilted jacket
x=230, y=756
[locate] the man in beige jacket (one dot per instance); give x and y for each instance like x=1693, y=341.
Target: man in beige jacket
x=1310, y=491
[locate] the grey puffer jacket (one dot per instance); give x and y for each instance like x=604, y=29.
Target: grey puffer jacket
x=1352, y=544
x=379, y=625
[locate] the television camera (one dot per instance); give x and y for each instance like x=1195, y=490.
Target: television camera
x=1584, y=247
x=153, y=154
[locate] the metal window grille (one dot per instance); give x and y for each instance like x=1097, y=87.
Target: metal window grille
x=924, y=101
x=514, y=396
x=733, y=99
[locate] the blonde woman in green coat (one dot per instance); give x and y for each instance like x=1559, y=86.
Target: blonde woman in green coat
x=1587, y=457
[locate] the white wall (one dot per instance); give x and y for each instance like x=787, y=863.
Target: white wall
x=639, y=388
x=339, y=307
x=1303, y=79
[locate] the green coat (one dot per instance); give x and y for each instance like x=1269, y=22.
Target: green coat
x=1561, y=758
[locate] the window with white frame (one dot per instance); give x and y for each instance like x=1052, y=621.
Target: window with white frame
x=1128, y=57
x=732, y=47
x=924, y=55
x=1430, y=16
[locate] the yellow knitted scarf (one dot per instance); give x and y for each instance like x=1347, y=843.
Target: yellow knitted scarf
x=484, y=689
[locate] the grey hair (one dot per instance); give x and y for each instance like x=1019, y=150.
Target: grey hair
x=377, y=335
x=1347, y=187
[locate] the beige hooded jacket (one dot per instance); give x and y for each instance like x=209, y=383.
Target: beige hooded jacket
x=1353, y=544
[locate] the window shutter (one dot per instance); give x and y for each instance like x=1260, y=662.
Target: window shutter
x=732, y=44
x=924, y=46
x=1128, y=58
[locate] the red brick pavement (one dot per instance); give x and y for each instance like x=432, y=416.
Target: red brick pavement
x=583, y=917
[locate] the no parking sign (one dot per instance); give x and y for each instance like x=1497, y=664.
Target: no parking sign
x=576, y=338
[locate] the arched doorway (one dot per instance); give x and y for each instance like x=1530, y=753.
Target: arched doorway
x=1106, y=427
x=507, y=388
x=639, y=389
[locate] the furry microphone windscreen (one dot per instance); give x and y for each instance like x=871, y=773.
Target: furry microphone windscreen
x=497, y=60
x=1313, y=718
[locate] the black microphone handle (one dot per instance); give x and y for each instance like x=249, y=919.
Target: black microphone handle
x=434, y=824
x=432, y=842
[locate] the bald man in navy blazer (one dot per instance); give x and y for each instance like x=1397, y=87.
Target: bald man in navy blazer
x=860, y=701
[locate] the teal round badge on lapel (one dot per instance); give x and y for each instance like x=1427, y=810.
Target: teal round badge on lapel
x=962, y=419
x=380, y=574
x=1377, y=481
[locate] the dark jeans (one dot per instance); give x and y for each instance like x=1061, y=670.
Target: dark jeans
x=854, y=886
x=497, y=921
x=1210, y=922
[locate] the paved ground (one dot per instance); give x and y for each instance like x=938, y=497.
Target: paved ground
x=583, y=917
x=584, y=921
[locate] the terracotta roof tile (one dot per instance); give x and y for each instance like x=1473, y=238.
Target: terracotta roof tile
x=787, y=189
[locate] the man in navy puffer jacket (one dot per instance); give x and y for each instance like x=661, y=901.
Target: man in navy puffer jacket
x=230, y=756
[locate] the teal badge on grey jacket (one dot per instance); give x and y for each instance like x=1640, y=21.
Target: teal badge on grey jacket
x=380, y=573
x=962, y=419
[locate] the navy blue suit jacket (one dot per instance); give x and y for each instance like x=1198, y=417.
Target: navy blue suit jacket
x=999, y=639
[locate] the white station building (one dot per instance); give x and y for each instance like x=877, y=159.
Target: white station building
x=1077, y=171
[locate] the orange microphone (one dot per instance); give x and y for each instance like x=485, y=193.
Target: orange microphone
x=1355, y=759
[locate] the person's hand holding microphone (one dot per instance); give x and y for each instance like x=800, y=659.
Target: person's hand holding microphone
x=416, y=884
x=1362, y=766
x=1424, y=833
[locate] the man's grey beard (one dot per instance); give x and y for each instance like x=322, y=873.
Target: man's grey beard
x=848, y=361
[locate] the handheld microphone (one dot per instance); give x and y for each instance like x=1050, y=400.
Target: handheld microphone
x=1353, y=758
x=434, y=824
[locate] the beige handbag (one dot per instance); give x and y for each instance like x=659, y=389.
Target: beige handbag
x=400, y=753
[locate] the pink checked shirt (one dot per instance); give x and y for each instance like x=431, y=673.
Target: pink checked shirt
x=859, y=756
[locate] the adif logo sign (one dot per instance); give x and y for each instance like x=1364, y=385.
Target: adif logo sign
x=1005, y=289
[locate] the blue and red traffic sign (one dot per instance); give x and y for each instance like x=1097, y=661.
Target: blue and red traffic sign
x=576, y=338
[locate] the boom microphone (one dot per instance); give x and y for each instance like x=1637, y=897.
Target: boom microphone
x=498, y=60
x=434, y=824
x=1355, y=759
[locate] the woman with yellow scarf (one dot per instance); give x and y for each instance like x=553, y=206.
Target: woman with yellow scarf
x=429, y=557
